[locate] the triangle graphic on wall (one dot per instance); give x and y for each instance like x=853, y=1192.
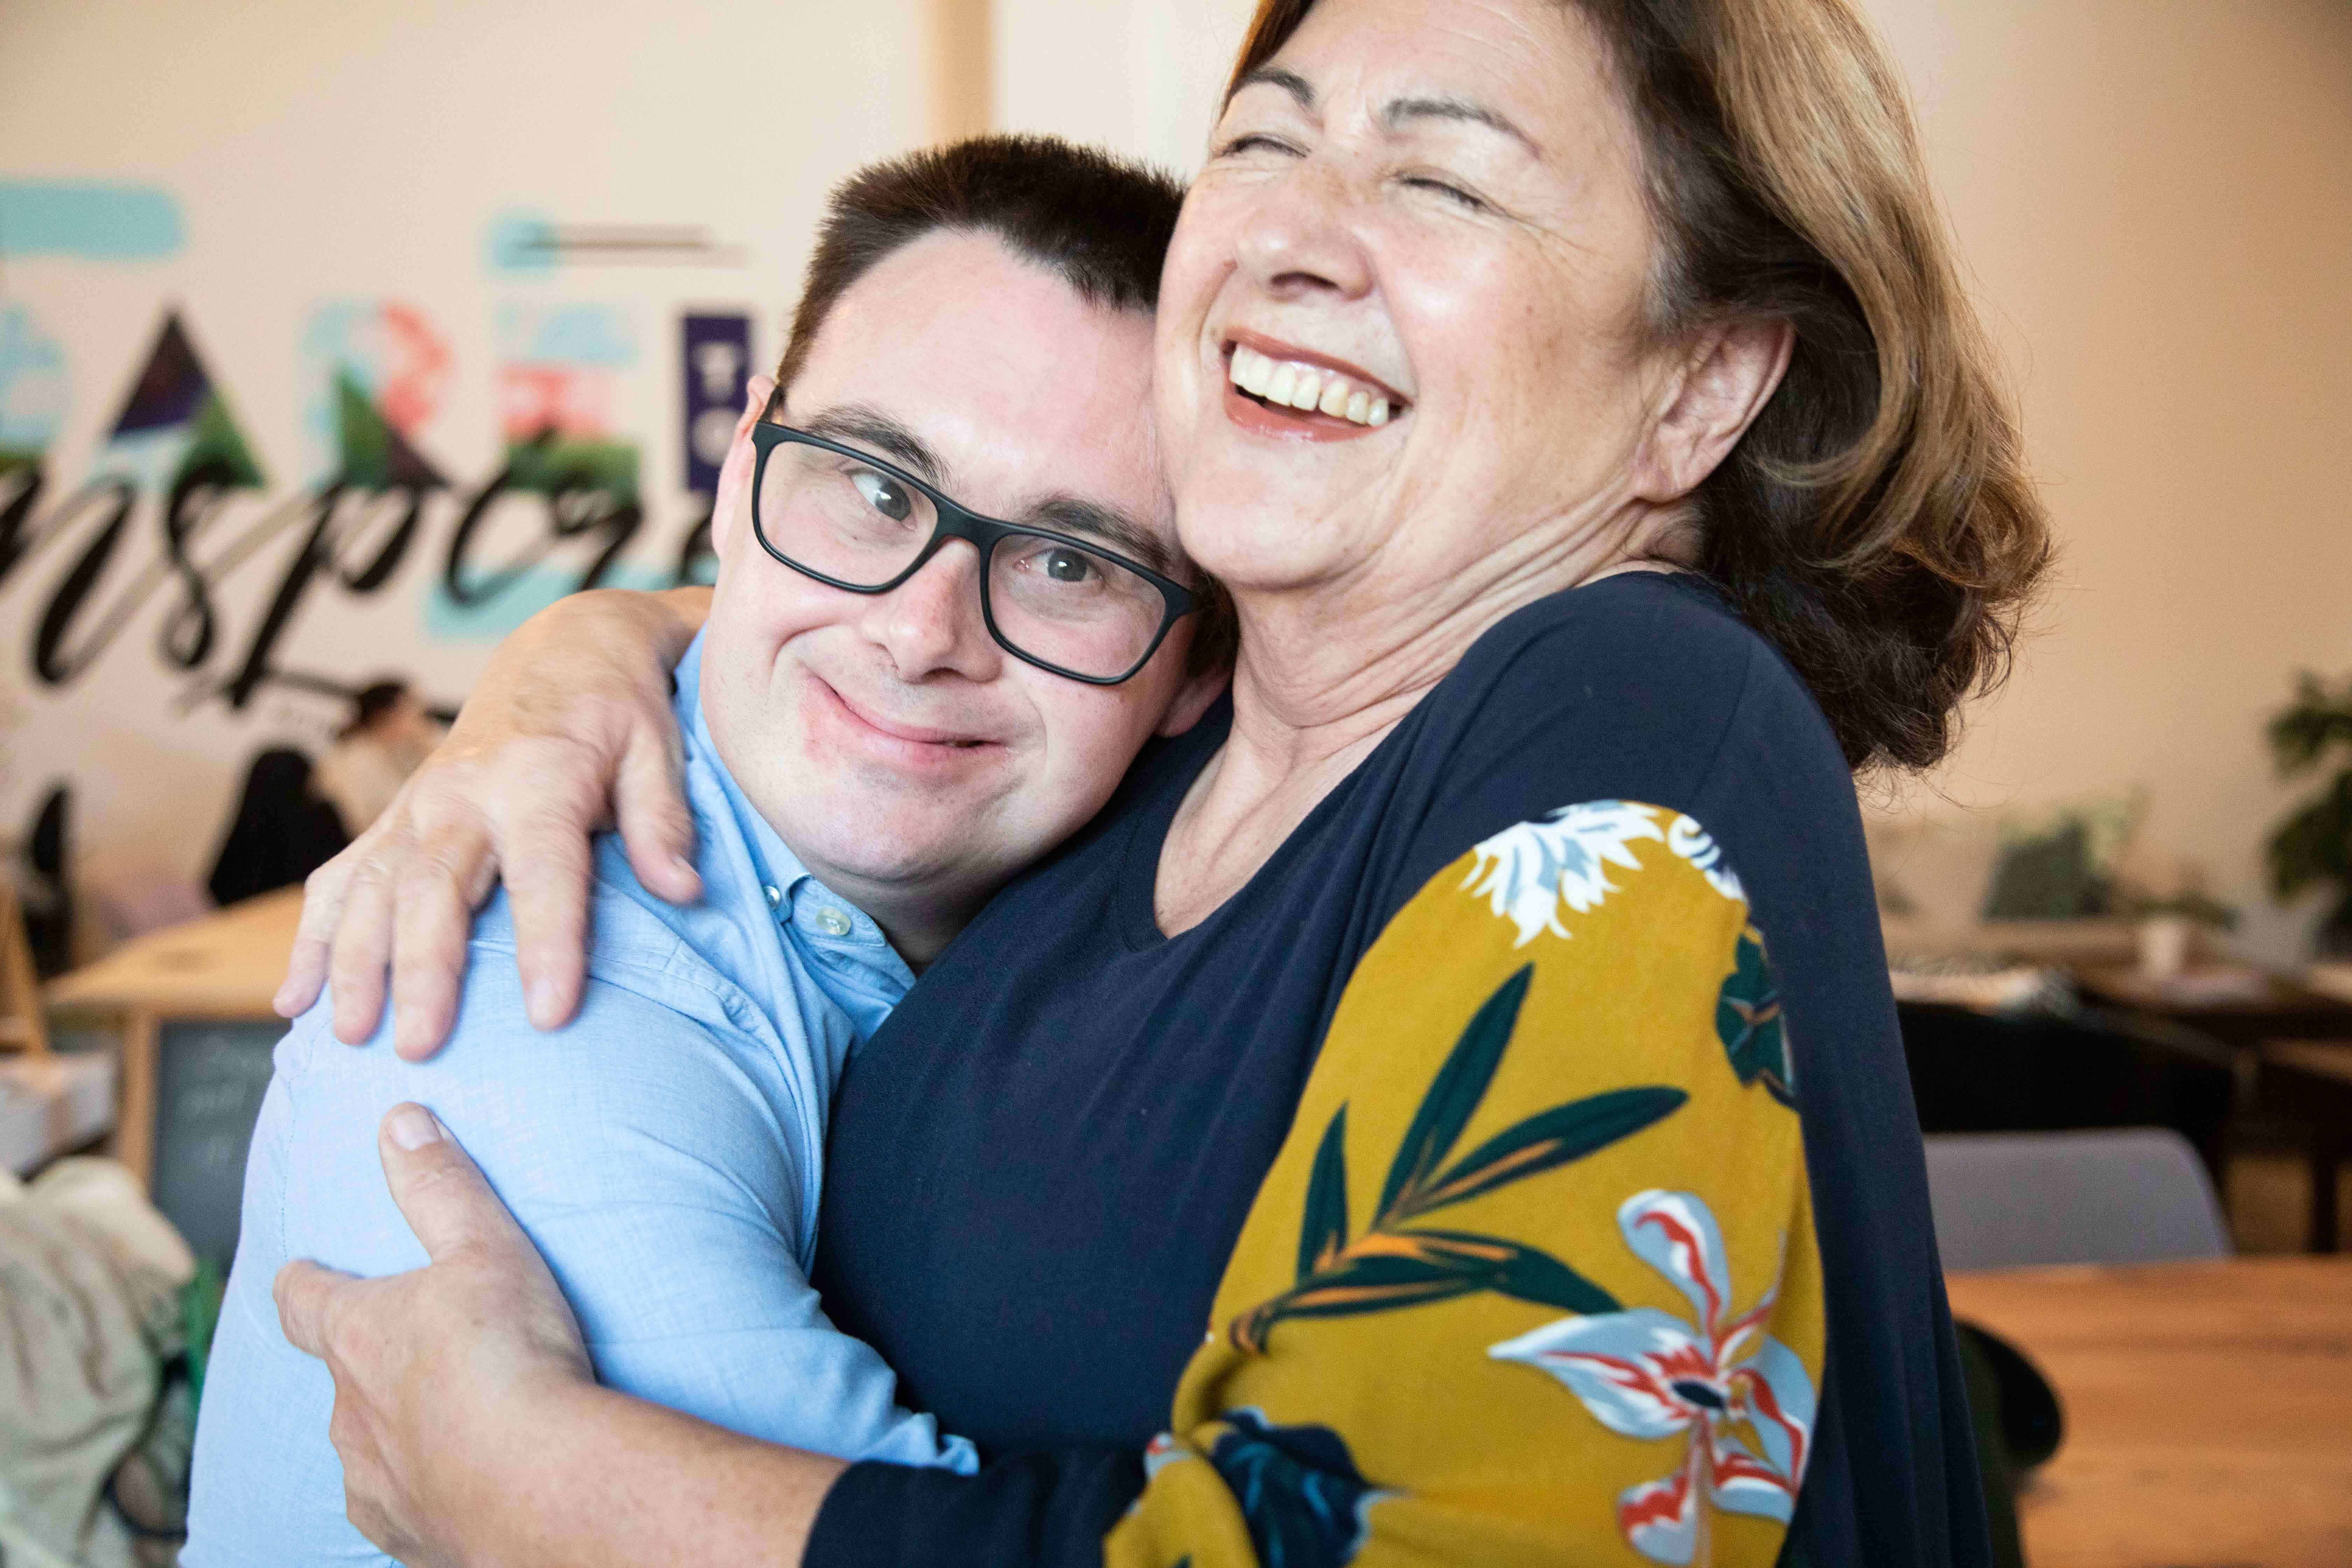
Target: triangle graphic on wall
x=170, y=386
x=173, y=395
x=374, y=455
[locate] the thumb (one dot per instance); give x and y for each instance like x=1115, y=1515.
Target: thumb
x=306, y=1294
x=441, y=1192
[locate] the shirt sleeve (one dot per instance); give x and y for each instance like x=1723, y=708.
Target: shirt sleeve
x=1533, y=1277
x=660, y=1165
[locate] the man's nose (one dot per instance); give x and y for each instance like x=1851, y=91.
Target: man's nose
x=931, y=623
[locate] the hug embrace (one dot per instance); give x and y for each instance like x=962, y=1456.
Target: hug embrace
x=1239, y=934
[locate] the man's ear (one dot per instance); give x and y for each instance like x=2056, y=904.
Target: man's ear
x=1201, y=688
x=732, y=502
x=1730, y=372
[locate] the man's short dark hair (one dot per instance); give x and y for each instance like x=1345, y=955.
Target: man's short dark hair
x=1100, y=222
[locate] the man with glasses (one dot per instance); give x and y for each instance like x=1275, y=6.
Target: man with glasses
x=899, y=700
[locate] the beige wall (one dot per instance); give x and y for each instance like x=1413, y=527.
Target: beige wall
x=2154, y=199
x=1142, y=76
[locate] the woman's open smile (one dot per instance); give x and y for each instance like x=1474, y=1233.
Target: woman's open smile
x=1280, y=389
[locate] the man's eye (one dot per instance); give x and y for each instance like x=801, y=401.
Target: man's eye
x=884, y=494
x=1066, y=566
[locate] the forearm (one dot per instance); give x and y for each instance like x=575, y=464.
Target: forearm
x=540, y=665
x=603, y=1479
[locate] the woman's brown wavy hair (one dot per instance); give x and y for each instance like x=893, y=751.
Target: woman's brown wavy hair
x=1876, y=523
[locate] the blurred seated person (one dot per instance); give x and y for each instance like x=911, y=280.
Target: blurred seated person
x=283, y=830
x=389, y=734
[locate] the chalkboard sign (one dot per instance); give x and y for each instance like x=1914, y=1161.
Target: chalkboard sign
x=213, y=1078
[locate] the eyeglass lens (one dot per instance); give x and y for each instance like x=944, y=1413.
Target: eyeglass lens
x=1054, y=601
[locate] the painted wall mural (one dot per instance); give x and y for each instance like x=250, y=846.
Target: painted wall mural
x=172, y=493
x=192, y=569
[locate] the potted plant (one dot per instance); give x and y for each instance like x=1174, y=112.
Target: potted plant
x=2314, y=847
x=2168, y=928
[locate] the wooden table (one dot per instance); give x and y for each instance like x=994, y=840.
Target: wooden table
x=2278, y=1005
x=224, y=966
x=2205, y=1407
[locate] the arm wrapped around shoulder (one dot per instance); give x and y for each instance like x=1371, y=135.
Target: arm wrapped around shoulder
x=569, y=730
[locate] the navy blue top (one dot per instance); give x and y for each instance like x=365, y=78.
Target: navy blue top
x=1038, y=1165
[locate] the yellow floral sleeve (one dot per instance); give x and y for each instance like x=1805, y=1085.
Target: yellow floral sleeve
x=1533, y=1278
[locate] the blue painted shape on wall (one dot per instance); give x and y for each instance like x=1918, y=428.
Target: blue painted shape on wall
x=590, y=334
x=90, y=221
x=522, y=241
x=32, y=385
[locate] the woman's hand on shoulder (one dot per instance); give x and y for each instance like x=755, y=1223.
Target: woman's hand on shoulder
x=443, y=1373
x=569, y=730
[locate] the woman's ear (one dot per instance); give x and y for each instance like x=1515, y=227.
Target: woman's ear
x=1729, y=374
x=732, y=500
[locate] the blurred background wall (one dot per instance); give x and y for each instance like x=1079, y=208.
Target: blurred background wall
x=493, y=219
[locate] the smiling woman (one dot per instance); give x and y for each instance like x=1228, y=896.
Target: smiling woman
x=1479, y=1023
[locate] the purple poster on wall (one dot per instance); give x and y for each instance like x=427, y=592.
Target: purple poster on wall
x=716, y=358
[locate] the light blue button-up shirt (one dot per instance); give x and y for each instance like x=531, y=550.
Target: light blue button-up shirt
x=662, y=1151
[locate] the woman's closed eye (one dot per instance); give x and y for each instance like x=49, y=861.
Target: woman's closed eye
x=1446, y=187
x=1254, y=142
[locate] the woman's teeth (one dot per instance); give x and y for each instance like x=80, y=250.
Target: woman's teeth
x=1286, y=384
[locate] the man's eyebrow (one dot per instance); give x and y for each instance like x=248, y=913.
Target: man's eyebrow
x=859, y=424
x=1465, y=110
x=1130, y=538
x=1289, y=82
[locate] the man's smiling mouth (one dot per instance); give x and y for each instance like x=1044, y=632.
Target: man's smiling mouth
x=901, y=730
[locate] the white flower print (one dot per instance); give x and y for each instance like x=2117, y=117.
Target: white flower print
x=1527, y=871
x=1686, y=838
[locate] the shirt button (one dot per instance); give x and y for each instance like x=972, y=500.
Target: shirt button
x=775, y=898
x=833, y=922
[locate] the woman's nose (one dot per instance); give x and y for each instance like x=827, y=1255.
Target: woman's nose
x=931, y=623
x=1296, y=241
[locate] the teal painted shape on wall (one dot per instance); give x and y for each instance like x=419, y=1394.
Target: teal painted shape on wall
x=90, y=221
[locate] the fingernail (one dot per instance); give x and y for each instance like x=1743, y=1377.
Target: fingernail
x=413, y=1126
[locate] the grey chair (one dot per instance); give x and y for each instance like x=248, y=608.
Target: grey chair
x=2125, y=1195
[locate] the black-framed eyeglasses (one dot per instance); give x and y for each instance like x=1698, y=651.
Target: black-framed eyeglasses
x=852, y=520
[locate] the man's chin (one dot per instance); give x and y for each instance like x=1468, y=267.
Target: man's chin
x=941, y=849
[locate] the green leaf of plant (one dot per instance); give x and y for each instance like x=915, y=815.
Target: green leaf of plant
x=1546, y=1138
x=1324, y=1229
x=1454, y=1093
x=1539, y=1277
